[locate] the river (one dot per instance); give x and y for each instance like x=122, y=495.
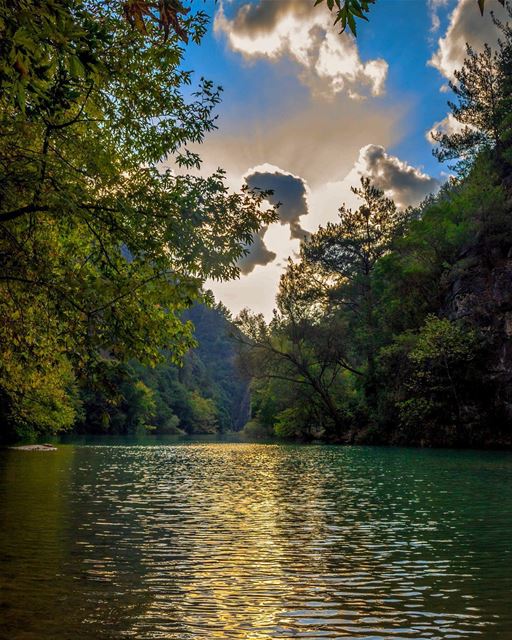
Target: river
x=189, y=540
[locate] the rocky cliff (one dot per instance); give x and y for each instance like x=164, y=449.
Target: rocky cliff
x=479, y=291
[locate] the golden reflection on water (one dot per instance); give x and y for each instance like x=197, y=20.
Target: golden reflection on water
x=255, y=541
x=237, y=569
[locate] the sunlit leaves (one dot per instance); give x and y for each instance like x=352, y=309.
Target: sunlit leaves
x=40, y=40
x=482, y=107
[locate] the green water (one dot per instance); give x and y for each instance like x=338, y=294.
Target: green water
x=233, y=540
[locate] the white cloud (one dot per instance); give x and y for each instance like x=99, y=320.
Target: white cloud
x=329, y=62
x=433, y=7
x=466, y=26
x=446, y=125
x=258, y=289
x=402, y=182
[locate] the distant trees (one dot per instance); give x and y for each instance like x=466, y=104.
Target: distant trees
x=207, y=394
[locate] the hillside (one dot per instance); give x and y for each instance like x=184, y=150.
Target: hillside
x=206, y=395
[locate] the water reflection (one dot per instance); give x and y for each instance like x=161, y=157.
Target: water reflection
x=255, y=541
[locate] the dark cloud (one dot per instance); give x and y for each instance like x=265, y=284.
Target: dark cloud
x=290, y=191
x=262, y=17
x=404, y=183
x=258, y=253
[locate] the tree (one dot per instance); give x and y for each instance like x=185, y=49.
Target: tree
x=323, y=335
x=204, y=414
x=300, y=362
x=441, y=379
x=101, y=247
x=482, y=111
x=344, y=256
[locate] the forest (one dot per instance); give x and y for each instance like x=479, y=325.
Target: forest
x=392, y=326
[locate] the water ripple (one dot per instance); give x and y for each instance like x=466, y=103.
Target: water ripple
x=255, y=541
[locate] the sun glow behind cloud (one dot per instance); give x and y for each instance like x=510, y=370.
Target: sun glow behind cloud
x=343, y=122
x=267, y=259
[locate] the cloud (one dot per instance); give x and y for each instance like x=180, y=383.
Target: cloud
x=256, y=289
x=402, y=182
x=466, y=26
x=329, y=62
x=447, y=125
x=406, y=184
x=258, y=253
x=288, y=189
x=291, y=192
x=433, y=8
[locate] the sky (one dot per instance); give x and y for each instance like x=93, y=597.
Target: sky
x=306, y=111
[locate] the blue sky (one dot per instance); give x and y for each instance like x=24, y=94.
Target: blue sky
x=310, y=110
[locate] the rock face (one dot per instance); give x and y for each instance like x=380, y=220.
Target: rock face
x=479, y=291
x=35, y=447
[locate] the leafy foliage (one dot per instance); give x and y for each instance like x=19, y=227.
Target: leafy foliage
x=347, y=11
x=440, y=377
x=101, y=246
x=206, y=394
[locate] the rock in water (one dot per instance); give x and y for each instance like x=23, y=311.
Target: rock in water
x=35, y=447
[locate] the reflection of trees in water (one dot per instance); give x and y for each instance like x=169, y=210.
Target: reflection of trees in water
x=34, y=504
x=71, y=563
x=108, y=541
